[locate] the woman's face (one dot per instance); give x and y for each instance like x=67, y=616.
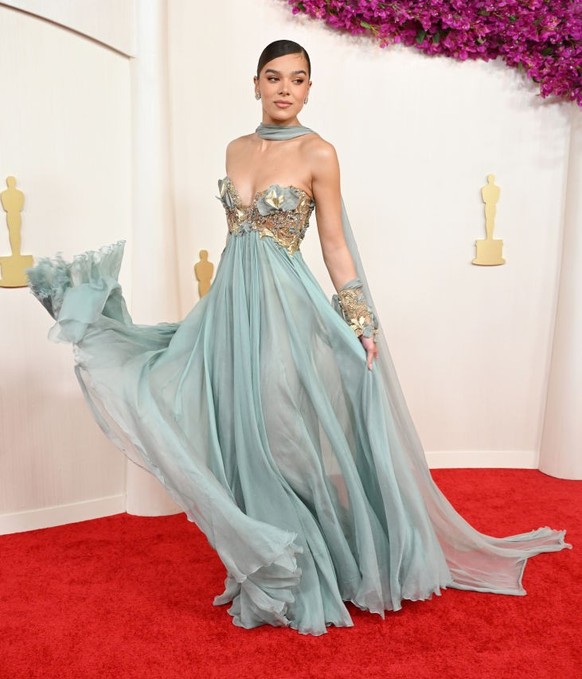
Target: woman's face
x=283, y=84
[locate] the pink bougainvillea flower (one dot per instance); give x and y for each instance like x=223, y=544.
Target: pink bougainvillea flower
x=541, y=37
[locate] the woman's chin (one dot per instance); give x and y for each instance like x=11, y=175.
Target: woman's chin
x=281, y=117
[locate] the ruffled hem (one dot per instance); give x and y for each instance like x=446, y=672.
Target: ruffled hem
x=264, y=596
x=76, y=293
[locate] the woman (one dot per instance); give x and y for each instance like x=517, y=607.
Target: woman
x=271, y=418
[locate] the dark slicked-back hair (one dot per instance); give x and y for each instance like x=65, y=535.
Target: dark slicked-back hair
x=281, y=48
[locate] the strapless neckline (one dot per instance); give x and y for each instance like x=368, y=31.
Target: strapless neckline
x=258, y=194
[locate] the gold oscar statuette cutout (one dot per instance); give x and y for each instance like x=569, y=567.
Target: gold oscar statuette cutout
x=203, y=271
x=13, y=268
x=489, y=251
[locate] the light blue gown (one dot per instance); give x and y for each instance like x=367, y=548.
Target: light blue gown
x=258, y=414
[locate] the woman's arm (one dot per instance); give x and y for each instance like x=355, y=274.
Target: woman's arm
x=336, y=255
x=326, y=192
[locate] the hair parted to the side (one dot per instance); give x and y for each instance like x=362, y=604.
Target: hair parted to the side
x=281, y=48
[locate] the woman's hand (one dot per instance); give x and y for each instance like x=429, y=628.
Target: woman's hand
x=371, y=350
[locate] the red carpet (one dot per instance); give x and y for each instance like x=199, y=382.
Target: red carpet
x=130, y=597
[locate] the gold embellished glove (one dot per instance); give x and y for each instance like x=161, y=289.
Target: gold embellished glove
x=353, y=307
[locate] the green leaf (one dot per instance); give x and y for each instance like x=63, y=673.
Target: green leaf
x=420, y=36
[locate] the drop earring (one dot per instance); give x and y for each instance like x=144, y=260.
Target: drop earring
x=257, y=95
x=306, y=100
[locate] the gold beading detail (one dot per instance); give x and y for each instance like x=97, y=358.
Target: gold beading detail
x=356, y=312
x=286, y=227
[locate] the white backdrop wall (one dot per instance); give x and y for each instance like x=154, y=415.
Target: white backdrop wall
x=561, y=447
x=66, y=137
x=111, y=22
x=416, y=137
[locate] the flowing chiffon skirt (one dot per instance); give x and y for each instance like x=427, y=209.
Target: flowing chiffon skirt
x=258, y=414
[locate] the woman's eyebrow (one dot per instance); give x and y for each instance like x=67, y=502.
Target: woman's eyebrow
x=272, y=70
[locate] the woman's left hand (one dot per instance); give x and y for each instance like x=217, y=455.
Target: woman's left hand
x=371, y=350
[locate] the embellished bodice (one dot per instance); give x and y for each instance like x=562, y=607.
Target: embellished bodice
x=279, y=212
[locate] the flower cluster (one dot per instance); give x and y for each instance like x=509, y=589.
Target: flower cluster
x=541, y=37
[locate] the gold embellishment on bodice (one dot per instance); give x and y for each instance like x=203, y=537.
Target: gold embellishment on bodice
x=279, y=212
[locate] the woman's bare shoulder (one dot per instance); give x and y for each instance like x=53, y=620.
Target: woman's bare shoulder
x=239, y=146
x=241, y=142
x=319, y=150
